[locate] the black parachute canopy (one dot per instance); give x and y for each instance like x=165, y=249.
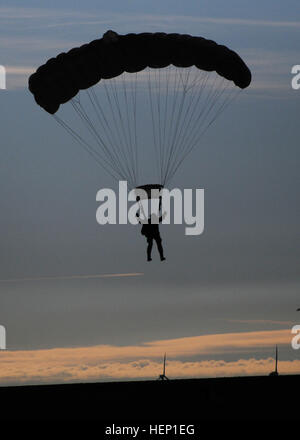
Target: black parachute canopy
x=60, y=78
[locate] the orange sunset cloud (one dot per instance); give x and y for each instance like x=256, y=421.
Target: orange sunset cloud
x=107, y=362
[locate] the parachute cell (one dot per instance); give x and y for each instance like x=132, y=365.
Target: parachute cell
x=60, y=79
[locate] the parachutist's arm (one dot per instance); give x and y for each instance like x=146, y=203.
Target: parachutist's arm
x=162, y=217
x=141, y=221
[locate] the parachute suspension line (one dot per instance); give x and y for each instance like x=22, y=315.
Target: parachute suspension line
x=124, y=118
x=123, y=112
x=105, y=127
x=112, y=134
x=226, y=101
x=194, y=121
x=117, y=116
x=169, y=124
x=134, y=101
x=115, y=133
x=130, y=127
x=151, y=98
x=195, y=96
x=171, y=128
x=158, y=119
x=80, y=110
x=161, y=123
x=203, y=119
x=87, y=147
x=90, y=126
x=185, y=129
x=118, y=125
x=174, y=140
x=182, y=104
x=166, y=101
x=162, y=117
x=178, y=143
x=174, y=98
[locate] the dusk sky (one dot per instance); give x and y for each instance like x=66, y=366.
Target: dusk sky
x=222, y=300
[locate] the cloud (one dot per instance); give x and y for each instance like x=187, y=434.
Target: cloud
x=260, y=321
x=241, y=21
x=145, y=369
x=171, y=21
x=36, y=44
x=41, y=18
x=105, y=362
x=74, y=277
x=36, y=13
x=90, y=18
x=19, y=70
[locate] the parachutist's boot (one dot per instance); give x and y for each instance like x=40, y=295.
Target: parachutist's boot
x=149, y=250
x=160, y=250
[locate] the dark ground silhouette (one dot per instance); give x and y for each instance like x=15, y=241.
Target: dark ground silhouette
x=178, y=401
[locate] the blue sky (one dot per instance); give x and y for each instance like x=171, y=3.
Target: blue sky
x=241, y=275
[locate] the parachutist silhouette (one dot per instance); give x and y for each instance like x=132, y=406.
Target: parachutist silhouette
x=150, y=230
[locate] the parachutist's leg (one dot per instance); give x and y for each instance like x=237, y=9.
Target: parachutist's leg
x=149, y=248
x=160, y=248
